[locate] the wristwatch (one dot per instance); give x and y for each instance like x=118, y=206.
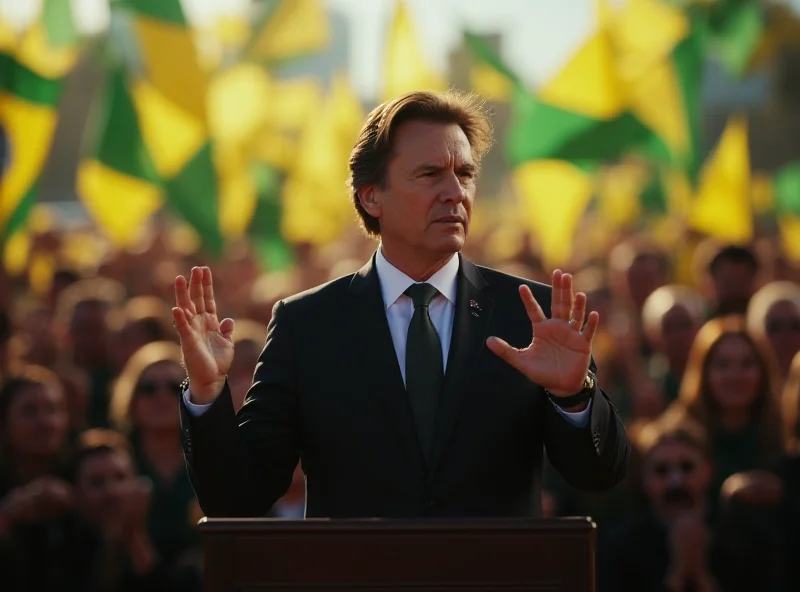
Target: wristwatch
x=578, y=398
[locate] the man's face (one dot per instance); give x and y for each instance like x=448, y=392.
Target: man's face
x=676, y=477
x=89, y=334
x=734, y=284
x=645, y=275
x=426, y=204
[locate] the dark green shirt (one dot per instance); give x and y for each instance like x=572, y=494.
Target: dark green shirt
x=173, y=513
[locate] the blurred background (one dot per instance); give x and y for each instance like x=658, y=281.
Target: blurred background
x=651, y=147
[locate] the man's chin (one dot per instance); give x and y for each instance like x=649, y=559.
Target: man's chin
x=450, y=242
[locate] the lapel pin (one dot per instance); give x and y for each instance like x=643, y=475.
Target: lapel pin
x=474, y=308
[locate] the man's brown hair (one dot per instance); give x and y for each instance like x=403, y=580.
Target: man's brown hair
x=374, y=148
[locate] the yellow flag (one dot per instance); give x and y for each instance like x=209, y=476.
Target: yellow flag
x=172, y=135
x=644, y=34
x=97, y=184
x=239, y=103
x=722, y=207
x=489, y=83
x=238, y=196
x=29, y=128
x=763, y=193
x=588, y=84
x=297, y=27
x=554, y=196
x=790, y=236
x=316, y=204
x=619, y=189
x=405, y=68
x=36, y=52
x=172, y=62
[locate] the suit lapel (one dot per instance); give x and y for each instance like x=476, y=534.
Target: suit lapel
x=470, y=325
x=376, y=350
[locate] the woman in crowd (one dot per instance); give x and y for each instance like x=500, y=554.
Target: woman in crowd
x=773, y=318
x=671, y=317
x=789, y=472
x=35, y=496
x=729, y=387
x=144, y=406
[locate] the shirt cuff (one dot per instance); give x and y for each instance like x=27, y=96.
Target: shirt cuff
x=577, y=418
x=196, y=410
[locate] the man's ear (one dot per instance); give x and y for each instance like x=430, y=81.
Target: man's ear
x=369, y=197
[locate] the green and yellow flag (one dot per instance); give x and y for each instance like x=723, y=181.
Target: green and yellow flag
x=118, y=184
x=32, y=68
x=168, y=53
x=289, y=29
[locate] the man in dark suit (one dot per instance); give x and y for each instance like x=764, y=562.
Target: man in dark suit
x=396, y=387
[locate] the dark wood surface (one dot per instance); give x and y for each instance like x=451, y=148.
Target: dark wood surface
x=472, y=555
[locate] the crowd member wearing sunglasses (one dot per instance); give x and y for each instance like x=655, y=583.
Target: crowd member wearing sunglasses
x=677, y=542
x=144, y=406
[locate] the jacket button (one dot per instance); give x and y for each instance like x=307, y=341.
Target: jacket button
x=432, y=503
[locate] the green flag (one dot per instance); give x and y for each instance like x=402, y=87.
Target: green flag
x=193, y=193
x=786, y=186
x=118, y=183
x=265, y=227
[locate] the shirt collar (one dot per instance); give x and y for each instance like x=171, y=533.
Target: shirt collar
x=394, y=282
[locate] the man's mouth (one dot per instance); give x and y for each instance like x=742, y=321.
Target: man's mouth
x=451, y=220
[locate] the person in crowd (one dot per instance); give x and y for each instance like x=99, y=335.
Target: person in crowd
x=113, y=546
x=788, y=516
x=144, y=406
x=773, y=317
x=141, y=320
x=637, y=269
x=82, y=319
x=6, y=333
x=35, y=495
x=729, y=387
x=677, y=543
x=728, y=274
x=671, y=317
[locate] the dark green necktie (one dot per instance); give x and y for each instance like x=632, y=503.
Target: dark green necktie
x=424, y=367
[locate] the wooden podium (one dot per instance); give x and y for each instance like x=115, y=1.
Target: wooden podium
x=475, y=555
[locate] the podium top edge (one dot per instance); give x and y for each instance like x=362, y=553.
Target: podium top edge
x=578, y=523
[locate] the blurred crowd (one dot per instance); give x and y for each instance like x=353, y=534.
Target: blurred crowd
x=698, y=351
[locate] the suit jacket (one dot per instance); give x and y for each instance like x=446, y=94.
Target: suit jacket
x=328, y=391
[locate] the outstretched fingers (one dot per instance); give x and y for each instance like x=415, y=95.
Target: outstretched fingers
x=226, y=328
x=181, y=323
x=567, y=297
x=196, y=290
x=579, y=311
x=210, y=304
x=182, y=298
x=504, y=351
x=535, y=312
x=590, y=329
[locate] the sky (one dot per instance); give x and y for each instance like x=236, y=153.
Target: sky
x=538, y=35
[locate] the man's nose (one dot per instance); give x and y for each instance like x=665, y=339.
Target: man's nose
x=452, y=189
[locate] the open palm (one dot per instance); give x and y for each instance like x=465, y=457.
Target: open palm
x=559, y=355
x=206, y=342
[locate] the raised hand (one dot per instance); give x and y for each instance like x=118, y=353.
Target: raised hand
x=559, y=355
x=206, y=342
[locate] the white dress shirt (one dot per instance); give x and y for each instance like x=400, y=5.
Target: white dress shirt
x=400, y=309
